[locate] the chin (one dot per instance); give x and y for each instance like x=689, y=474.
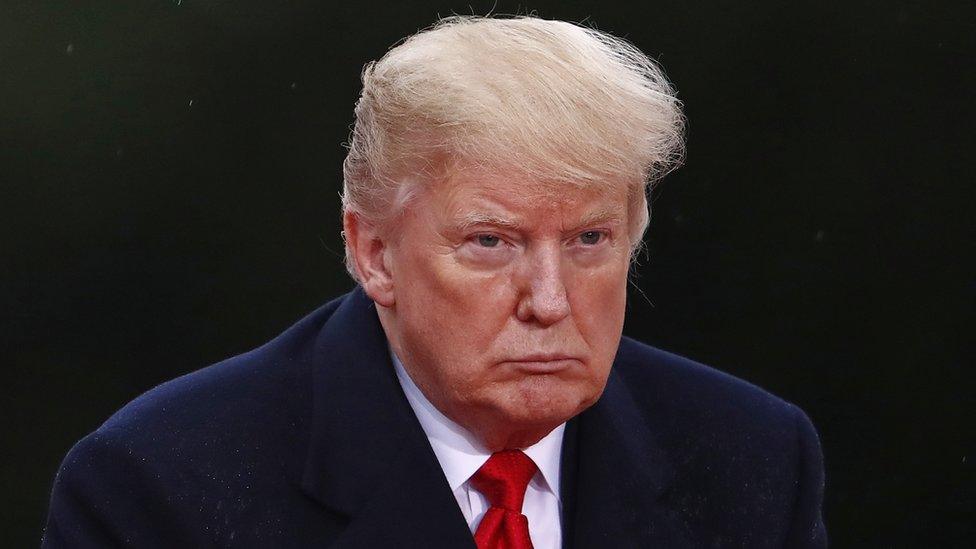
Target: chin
x=548, y=402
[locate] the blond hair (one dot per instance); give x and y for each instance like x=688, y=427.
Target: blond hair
x=550, y=100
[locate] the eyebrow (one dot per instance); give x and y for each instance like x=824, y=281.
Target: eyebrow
x=472, y=219
x=600, y=216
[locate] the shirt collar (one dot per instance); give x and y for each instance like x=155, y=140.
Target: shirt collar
x=459, y=453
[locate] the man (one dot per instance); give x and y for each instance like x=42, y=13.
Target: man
x=474, y=390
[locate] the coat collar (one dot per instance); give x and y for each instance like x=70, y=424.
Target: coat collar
x=369, y=460
x=621, y=477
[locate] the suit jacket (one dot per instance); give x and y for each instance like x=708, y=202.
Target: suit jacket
x=309, y=441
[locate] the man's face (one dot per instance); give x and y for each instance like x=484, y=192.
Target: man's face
x=509, y=300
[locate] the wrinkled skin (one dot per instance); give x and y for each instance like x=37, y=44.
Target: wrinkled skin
x=504, y=298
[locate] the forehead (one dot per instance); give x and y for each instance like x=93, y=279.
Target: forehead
x=514, y=193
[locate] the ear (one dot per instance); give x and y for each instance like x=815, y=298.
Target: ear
x=370, y=253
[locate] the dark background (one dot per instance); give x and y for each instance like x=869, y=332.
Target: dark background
x=169, y=175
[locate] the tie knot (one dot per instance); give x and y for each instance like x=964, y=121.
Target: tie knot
x=503, y=479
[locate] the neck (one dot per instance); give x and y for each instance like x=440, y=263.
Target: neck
x=508, y=440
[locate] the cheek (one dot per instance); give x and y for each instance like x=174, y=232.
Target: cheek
x=456, y=312
x=455, y=291
x=599, y=306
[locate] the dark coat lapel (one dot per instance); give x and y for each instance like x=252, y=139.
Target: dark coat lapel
x=370, y=462
x=368, y=458
x=621, y=477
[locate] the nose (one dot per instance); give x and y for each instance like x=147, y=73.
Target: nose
x=543, y=291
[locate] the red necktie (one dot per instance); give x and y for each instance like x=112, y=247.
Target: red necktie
x=502, y=480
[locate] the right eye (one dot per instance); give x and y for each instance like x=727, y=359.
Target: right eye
x=488, y=240
x=487, y=250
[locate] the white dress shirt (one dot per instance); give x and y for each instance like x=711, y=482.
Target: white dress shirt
x=461, y=455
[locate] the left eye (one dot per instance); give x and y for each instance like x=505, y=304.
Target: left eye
x=591, y=237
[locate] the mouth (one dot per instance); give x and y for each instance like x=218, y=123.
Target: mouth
x=543, y=364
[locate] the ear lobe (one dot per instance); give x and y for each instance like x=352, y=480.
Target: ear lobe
x=368, y=248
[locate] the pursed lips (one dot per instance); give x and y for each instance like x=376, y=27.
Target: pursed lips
x=543, y=363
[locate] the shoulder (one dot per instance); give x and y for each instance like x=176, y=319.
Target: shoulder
x=661, y=380
x=250, y=394
x=707, y=410
x=741, y=455
x=188, y=449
